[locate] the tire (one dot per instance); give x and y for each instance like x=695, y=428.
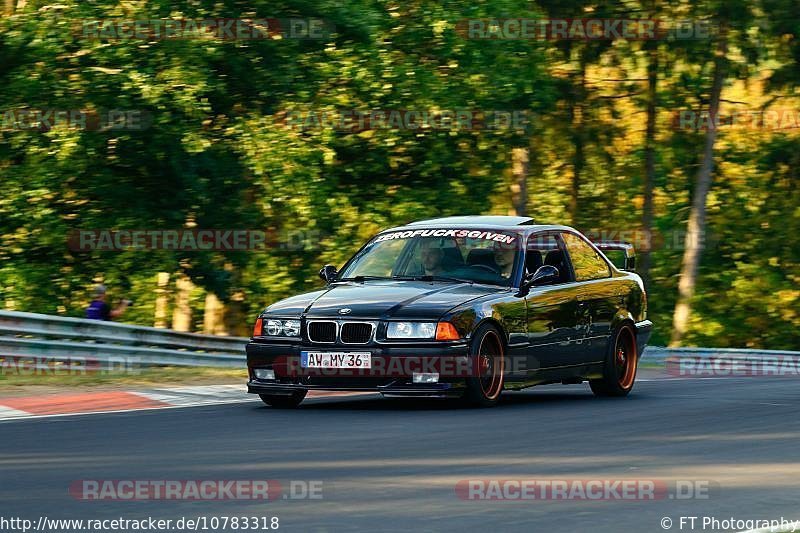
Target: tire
x=622, y=361
x=283, y=402
x=487, y=357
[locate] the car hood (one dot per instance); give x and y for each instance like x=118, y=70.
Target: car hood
x=381, y=299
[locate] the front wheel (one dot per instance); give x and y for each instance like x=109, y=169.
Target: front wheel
x=283, y=402
x=488, y=364
x=622, y=360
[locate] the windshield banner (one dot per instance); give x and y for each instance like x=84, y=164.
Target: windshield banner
x=455, y=233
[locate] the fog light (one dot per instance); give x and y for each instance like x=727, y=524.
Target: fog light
x=264, y=373
x=419, y=377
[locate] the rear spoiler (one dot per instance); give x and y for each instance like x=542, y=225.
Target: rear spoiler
x=625, y=247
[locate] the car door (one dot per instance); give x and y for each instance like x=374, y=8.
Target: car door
x=597, y=297
x=551, y=309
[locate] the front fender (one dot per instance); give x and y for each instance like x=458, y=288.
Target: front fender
x=506, y=312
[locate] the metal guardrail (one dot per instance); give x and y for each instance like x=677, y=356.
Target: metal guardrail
x=661, y=354
x=724, y=362
x=38, y=336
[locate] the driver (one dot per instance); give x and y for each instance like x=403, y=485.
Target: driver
x=432, y=256
x=504, y=257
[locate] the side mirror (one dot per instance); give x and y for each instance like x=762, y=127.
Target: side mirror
x=328, y=273
x=544, y=275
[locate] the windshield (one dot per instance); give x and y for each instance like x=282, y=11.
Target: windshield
x=481, y=256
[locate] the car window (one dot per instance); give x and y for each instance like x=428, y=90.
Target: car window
x=544, y=249
x=381, y=263
x=586, y=262
x=476, y=258
x=617, y=257
x=483, y=256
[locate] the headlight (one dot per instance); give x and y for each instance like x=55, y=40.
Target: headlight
x=411, y=330
x=282, y=328
x=274, y=327
x=291, y=328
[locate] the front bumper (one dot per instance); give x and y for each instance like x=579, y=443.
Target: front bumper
x=395, y=388
x=391, y=373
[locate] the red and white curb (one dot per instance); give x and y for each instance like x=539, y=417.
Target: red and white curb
x=16, y=408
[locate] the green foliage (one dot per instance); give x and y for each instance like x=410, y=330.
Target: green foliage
x=218, y=152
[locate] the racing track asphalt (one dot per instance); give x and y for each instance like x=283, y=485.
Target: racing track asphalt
x=392, y=465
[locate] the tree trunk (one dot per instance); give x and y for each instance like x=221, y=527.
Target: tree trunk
x=577, y=120
x=520, y=158
x=697, y=217
x=214, y=316
x=182, y=312
x=649, y=158
x=237, y=320
x=8, y=8
x=162, y=300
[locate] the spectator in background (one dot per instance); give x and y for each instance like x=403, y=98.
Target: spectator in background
x=100, y=310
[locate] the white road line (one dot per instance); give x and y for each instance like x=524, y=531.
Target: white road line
x=197, y=395
x=8, y=412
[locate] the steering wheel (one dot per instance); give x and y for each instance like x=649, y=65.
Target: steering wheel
x=487, y=268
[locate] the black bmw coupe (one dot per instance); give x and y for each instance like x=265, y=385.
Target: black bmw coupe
x=458, y=307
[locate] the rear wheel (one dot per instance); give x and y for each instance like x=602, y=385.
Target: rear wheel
x=622, y=359
x=488, y=365
x=283, y=402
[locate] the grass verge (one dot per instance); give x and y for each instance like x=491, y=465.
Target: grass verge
x=22, y=383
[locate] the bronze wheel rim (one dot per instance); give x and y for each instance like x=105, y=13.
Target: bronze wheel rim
x=490, y=366
x=625, y=359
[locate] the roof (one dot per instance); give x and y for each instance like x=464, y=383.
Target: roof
x=483, y=220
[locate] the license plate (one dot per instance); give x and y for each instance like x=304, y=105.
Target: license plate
x=335, y=360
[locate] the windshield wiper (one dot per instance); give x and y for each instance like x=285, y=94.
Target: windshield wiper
x=360, y=279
